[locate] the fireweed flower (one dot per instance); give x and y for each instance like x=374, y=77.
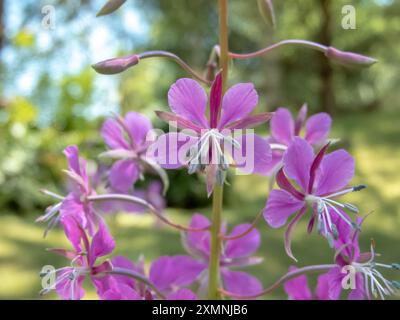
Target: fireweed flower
x=234, y=254
x=163, y=274
x=83, y=258
x=204, y=145
x=367, y=281
x=128, y=140
x=298, y=289
x=76, y=202
x=284, y=129
x=320, y=179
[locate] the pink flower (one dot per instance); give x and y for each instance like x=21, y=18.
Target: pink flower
x=205, y=144
x=76, y=203
x=128, y=139
x=298, y=289
x=236, y=253
x=83, y=258
x=284, y=129
x=319, y=180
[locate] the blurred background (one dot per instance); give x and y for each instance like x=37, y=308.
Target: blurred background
x=50, y=98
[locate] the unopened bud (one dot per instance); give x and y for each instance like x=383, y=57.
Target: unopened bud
x=267, y=11
x=116, y=65
x=348, y=58
x=110, y=7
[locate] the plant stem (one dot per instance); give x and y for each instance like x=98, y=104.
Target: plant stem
x=215, y=245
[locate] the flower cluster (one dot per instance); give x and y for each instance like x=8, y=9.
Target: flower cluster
x=216, y=135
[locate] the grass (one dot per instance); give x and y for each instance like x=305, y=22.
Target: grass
x=373, y=140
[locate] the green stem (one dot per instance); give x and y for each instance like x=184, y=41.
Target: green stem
x=215, y=245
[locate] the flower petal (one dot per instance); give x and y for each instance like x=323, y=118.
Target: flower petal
x=170, y=150
x=244, y=246
x=297, y=288
x=187, y=269
x=253, y=156
x=138, y=127
x=335, y=283
x=198, y=243
x=317, y=128
x=282, y=126
x=237, y=103
x=188, y=99
x=112, y=134
x=180, y=122
x=289, y=232
x=336, y=171
x=182, y=294
x=102, y=243
x=359, y=292
x=322, y=290
x=297, y=161
x=123, y=175
x=280, y=205
x=250, y=121
x=240, y=283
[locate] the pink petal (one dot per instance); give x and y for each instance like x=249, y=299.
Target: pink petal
x=282, y=126
x=297, y=162
x=289, y=231
x=322, y=291
x=102, y=243
x=250, y=121
x=280, y=205
x=188, y=99
x=237, y=103
x=182, y=294
x=297, y=288
x=336, y=171
x=335, y=283
x=179, y=121
x=301, y=118
x=317, y=128
x=138, y=126
x=112, y=134
x=170, y=150
x=359, y=292
x=244, y=246
x=240, y=283
x=198, y=243
x=71, y=230
x=254, y=154
x=120, y=292
x=187, y=269
x=123, y=175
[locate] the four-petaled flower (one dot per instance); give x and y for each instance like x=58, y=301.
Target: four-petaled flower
x=208, y=144
x=319, y=180
x=284, y=129
x=128, y=139
x=235, y=253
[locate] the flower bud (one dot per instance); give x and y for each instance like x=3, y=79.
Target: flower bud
x=116, y=65
x=348, y=58
x=267, y=11
x=110, y=7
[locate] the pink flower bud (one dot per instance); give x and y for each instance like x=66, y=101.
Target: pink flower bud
x=349, y=58
x=116, y=65
x=110, y=7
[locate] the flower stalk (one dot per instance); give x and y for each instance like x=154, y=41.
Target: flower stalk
x=213, y=292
